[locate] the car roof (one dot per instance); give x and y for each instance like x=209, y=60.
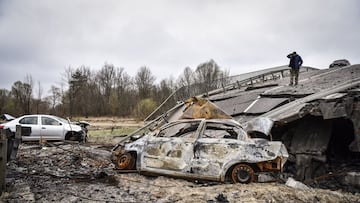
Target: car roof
x=341, y=60
x=51, y=116
x=38, y=115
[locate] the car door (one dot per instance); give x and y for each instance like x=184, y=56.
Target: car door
x=32, y=122
x=219, y=143
x=51, y=128
x=171, y=150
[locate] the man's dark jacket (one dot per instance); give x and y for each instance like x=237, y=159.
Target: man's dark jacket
x=295, y=61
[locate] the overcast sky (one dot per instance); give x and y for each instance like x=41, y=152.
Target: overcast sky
x=43, y=37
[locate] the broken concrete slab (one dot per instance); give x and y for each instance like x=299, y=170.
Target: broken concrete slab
x=291, y=182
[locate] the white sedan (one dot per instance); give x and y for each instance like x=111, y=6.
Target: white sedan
x=47, y=127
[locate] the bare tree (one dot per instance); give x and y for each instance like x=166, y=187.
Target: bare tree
x=208, y=74
x=22, y=95
x=144, y=81
x=164, y=96
x=187, y=77
x=6, y=102
x=224, y=78
x=55, y=97
x=111, y=91
x=79, y=91
x=106, y=79
x=39, y=95
x=185, y=84
x=164, y=89
x=124, y=90
x=28, y=91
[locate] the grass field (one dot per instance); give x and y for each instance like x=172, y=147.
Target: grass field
x=107, y=129
x=111, y=132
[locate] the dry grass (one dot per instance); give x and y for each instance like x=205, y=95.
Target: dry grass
x=107, y=129
x=111, y=132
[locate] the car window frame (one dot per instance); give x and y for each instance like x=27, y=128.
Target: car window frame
x=241, y=134
x=48, y=117
x=194, y=132
x=28, y=117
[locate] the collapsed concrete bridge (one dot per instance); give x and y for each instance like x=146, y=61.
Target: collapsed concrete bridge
x=318, y=120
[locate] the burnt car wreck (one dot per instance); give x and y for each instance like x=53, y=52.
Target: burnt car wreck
x=209, y=149
x=318, y=121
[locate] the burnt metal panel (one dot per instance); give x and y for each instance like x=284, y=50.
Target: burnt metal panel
x=264, y=105
x=260, y=124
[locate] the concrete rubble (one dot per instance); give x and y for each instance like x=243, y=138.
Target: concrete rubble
x=291, y=182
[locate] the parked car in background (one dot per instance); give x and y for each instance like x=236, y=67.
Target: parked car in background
x=210, y=149
x=47, y=127
x=339, y=63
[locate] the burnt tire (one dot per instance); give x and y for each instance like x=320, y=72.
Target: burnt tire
x=125, y=162
x=242, y=173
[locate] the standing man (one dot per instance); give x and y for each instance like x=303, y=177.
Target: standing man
x=295, y=63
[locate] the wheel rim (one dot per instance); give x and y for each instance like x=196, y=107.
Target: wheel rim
x=124, y=162
x=242, y=173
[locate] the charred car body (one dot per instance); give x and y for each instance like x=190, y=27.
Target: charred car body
x=209, y=149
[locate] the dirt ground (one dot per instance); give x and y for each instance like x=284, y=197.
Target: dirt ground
x=63, y=172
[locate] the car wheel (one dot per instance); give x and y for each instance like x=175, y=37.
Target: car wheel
x=75, y=136
x=70, y=136
x=242, y=173
x=125, y=161
x=83, y=140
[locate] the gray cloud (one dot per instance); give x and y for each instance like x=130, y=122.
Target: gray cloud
x=43, y=37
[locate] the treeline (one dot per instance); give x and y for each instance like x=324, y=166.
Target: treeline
x=109, y=91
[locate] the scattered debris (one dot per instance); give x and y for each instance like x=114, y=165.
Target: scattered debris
x=296, y=184
x=221, y=198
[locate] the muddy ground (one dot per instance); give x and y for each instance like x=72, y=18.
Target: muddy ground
x=63, y=172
